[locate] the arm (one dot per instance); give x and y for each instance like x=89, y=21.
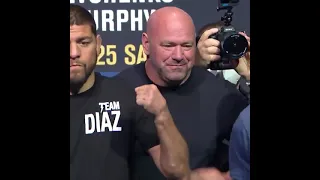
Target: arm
x=171, y=156
x=230, y=107
x=239, y=151
x=174, y=159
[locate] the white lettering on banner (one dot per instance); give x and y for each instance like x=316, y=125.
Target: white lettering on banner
x=114, y=19
x=106, y=18
x=120, y=1
x=122, y=17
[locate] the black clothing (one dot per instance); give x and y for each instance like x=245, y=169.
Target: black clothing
x=204, y=109
x=105, y=121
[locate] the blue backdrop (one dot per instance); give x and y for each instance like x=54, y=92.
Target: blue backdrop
x=121, y=23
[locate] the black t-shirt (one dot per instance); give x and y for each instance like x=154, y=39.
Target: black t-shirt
x=204, y=109
x=105, y=121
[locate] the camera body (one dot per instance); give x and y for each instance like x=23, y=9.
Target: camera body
x=232, y=44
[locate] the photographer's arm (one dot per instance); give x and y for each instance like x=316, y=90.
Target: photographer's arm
x=243, y=68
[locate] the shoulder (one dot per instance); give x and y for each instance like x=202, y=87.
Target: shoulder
x=217, y=87
x=111, y=82
x=244, y=118
x=116, y=89
x=116, y=85
x=211, y=80
x=243, y=121
x=245, y=114
x=135, y=76
x=132, y=71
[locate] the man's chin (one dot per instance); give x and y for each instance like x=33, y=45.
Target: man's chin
x=78, y=79
x=76, y=84
x=177, y=77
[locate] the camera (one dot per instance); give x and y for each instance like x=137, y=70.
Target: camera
x=232, y=44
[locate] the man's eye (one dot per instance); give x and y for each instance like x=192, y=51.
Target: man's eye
x=85, y=43
x=187, y=45
x=167, y=45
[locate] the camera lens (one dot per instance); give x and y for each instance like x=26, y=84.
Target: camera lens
x=235, y=46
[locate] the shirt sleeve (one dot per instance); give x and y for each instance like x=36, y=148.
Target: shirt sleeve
x=145, y=129
x=239, y=150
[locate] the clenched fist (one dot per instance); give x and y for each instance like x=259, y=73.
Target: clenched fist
x=151, y=99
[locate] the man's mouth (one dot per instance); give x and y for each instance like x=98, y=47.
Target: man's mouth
x=73, y=65
x=176, y=64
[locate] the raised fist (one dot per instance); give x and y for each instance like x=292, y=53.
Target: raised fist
x=151, y=99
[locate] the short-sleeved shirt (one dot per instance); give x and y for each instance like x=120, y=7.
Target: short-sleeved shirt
x=204, y=109
x=239, y=153
x=105, y=121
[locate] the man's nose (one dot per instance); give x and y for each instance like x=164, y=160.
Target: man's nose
x=74, y=51
x=177, y=53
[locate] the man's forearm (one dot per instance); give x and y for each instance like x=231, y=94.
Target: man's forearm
x=174, y=158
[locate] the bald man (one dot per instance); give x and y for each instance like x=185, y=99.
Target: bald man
x=107, y=116
x=203, y=107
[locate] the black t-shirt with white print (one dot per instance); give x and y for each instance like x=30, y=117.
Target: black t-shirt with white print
x=105, y=121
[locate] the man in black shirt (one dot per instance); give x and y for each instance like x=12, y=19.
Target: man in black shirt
x=107, y=117
x=204, y=107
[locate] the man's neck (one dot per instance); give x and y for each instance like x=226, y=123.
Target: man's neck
x=87, y=85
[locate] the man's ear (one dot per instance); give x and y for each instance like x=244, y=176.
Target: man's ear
x=145, y=43
x=99, y=41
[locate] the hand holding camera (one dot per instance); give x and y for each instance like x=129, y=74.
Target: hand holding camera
x=209, y=49
x=223, y=48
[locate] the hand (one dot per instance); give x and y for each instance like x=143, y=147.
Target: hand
x=151, y=99
x=208, y=48
x=209, y=174
x=243, y=68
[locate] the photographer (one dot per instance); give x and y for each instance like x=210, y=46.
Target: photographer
x=208, y=51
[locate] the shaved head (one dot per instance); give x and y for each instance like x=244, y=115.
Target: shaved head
x=170, y=17
x=169, y=43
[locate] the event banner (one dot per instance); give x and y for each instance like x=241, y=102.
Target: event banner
x=121, y=23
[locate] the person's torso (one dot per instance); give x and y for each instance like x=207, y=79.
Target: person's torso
x=240, y=147
x=100, y=132
x=195, y=109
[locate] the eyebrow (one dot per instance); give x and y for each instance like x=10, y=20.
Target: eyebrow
x=169, y=42
x=84, y=38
